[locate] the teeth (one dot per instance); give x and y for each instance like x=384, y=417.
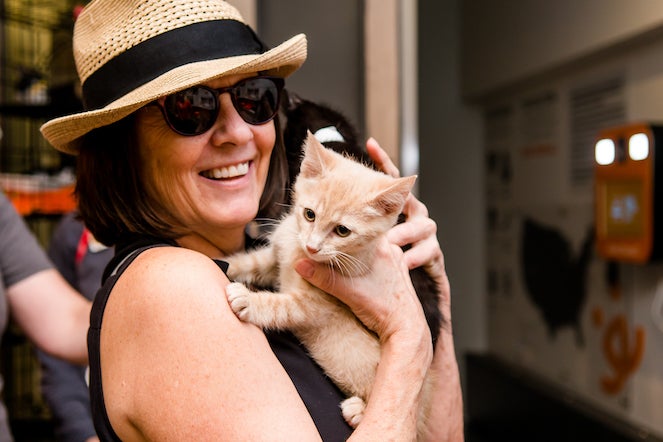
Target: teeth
x=228, y=172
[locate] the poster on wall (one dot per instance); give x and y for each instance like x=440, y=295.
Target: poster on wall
x=555, y=307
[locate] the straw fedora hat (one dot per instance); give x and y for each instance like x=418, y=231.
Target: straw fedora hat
x=131, y=52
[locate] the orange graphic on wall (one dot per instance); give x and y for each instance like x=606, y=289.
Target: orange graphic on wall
x=623, y=351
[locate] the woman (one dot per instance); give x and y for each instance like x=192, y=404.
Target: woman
x=178, y=151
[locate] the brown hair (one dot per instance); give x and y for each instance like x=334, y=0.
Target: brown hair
x=113, y=202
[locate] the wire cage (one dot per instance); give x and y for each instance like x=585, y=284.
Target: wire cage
x=37, y=82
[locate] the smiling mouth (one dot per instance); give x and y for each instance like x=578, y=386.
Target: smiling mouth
x=221, y=173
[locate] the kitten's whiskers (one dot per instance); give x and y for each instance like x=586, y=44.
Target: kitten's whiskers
x=350, y=265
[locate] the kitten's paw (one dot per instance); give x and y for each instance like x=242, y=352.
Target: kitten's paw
x=353, y=410
x=238, y=298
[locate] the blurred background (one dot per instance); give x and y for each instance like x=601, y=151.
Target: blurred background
x=497, y=106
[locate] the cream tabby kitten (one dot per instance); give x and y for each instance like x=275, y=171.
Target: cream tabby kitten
x=340, y=209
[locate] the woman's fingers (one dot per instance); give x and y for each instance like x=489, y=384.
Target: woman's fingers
x=418, y=231
x=378, y=297
x=381, y=158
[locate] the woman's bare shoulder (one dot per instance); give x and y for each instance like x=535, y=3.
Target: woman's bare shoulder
x=168, y=277
x=175, y=286
x=171, y=301
x=178, y=354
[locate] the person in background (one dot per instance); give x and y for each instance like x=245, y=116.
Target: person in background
x=179, y=149
x=81, y=260
x=48, y=310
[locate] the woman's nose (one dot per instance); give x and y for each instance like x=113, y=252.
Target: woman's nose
x=229, y=126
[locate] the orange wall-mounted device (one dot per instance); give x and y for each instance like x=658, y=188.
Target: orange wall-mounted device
x=626, y=192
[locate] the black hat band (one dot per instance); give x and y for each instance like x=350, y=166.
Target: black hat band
x=147, y=60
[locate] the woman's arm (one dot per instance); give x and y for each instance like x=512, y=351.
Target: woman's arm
x=420, y=232
x=177, y=364
x=446, y=418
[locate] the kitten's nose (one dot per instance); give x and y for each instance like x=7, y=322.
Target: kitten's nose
x=312, y=250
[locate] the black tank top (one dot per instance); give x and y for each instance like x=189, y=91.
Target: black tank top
x=319, y=394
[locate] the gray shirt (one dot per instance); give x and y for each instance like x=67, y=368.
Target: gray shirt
x=20, y=256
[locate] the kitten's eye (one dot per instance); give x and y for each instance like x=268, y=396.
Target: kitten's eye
x=309, y=215
x=342, y=231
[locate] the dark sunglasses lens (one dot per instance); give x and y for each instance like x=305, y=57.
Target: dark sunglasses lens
x=257, y=99
x=191, y=111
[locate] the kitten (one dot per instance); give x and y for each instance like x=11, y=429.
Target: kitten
x=336, y=132
x=340, y=209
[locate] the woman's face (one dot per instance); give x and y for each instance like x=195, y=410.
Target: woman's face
x=210, y=182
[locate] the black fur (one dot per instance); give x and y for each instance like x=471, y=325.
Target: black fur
x=299, y=116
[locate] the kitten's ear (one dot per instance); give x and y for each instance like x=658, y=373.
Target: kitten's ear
x=392, y=199
x=314, y=162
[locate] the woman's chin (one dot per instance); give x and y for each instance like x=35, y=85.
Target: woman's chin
x=236, y=215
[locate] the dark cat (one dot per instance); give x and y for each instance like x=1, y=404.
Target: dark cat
x=329, y=126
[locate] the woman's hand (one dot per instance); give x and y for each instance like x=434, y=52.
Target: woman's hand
x=383, y=299
x=418, y=231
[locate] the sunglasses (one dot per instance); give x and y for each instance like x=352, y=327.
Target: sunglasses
x=193, y=111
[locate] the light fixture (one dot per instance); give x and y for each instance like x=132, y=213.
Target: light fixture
x=604, y=152
x=638, y=147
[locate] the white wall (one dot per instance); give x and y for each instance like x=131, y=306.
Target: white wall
x=507, y=41
x=521, y=50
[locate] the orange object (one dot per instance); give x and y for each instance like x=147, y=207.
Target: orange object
x=625, y=189
x=623, y=355
x=45, y=201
